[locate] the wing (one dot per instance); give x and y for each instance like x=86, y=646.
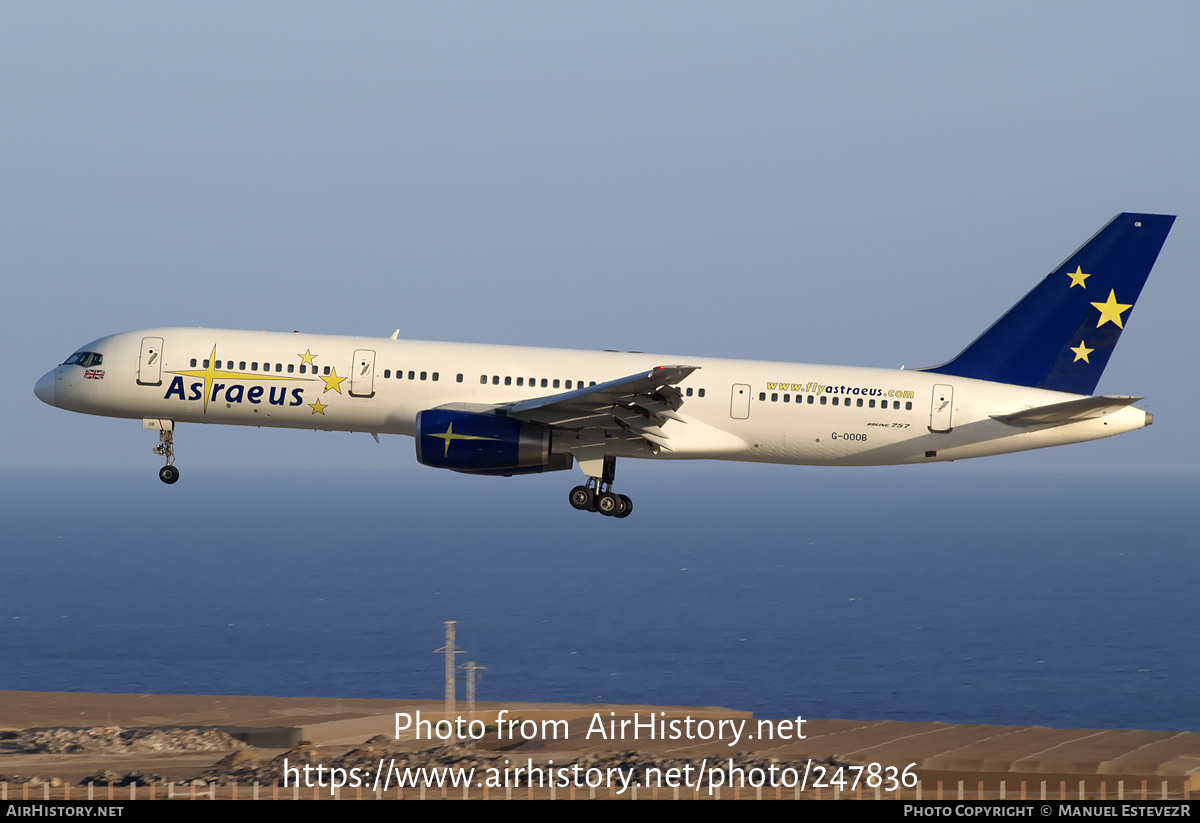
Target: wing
x=636, y=405
x=633, y=406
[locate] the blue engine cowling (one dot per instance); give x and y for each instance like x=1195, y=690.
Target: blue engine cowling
x=485, y=444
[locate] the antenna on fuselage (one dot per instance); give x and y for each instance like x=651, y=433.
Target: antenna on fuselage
x=395, y=335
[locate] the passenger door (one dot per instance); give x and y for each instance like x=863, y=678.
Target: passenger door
x=362, y=374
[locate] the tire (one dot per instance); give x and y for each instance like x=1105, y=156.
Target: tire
x=626, y=507
x=581, y=498
x=168, y=474
x=608, y=504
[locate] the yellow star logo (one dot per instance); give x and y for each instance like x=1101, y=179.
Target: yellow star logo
x=332, y=381
x=307, y=357
x=449, y=435
x=318, y=407
x=1082, y=353
x=1077, y=277
x=1111, y=310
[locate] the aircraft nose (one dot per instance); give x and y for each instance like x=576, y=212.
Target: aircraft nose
x=44, y=389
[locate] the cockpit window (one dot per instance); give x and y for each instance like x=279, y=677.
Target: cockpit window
x=84, y=358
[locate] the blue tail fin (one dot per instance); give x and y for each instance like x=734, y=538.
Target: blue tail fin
x=1062, y=333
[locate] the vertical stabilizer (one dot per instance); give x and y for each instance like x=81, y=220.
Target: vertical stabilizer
x=1062, y=333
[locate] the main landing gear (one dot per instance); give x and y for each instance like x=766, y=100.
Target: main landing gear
x=166, y=447
x=597, y=495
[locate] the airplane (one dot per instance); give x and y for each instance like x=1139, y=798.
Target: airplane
x=1025, y=383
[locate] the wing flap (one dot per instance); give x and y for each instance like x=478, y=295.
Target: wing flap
x=614, y=392
x=628, y=407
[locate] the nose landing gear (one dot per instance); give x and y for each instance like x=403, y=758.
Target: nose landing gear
x=166, y=448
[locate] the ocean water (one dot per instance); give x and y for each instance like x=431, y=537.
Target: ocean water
x=956, y=593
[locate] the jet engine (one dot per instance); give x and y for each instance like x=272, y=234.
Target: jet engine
x=485, y=444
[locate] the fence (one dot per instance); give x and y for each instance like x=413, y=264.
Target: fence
x=1173, y=789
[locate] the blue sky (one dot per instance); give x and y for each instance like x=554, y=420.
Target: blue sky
x=868, y=184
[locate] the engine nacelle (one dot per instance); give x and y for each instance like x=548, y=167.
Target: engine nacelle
x=485, y=444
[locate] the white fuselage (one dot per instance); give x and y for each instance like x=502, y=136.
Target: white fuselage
x=732, y=409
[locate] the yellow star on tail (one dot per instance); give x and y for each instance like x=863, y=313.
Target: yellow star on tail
x=1082, y=352
x=1111, y=310
x=1077, y=277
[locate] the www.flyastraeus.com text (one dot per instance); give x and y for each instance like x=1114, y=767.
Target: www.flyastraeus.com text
x=709, y=775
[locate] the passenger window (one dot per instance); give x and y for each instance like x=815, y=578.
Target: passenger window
x=386, y=372
x=435, y=377
x=762, y=395
x=556, y=382
x=253, y=366
x=701, y=392
x=543, y=382
x=822, y=400
x=908, y=406
x=495, y=380
x=193, y=362
x=422, y=375
x=291, y=368
x=520, y=381
x=278, y=367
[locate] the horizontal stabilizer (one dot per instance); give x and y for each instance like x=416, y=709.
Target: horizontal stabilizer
x=1058, y=414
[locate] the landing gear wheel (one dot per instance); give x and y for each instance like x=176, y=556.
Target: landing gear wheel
x=608, y=503
x=581, y=498
x=626, y=507
x=166, y=448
